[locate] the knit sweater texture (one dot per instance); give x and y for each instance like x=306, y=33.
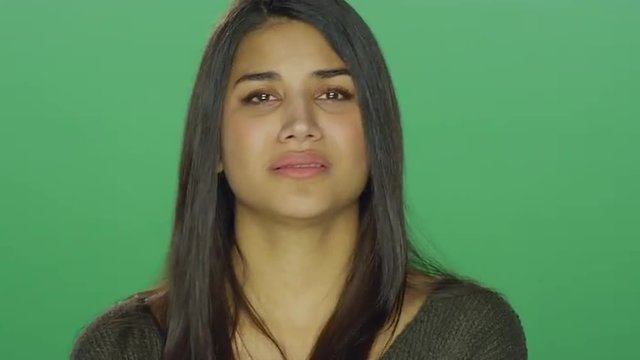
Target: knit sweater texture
x=470, y=322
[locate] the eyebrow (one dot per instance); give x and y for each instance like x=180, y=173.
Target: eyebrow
x=272, y=75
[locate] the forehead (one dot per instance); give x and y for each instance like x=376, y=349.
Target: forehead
x=285, y=46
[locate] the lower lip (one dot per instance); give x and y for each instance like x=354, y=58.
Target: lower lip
x=300, y=172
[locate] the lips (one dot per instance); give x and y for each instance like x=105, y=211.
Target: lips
x=300, y=160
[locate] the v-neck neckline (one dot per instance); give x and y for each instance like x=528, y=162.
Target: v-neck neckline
x=399, y=340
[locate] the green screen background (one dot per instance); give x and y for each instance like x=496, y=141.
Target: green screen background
x=521, y=122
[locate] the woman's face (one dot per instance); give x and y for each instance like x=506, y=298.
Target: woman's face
x=291, y=104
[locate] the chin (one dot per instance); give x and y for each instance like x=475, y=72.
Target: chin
x=301, y=211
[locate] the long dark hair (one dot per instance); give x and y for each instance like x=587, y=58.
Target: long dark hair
x=198, y=300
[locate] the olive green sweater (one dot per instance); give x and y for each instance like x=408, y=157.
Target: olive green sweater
x=467, y=323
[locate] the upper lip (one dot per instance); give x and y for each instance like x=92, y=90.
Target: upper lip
x=299, y=158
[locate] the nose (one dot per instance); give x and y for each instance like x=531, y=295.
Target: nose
x=300, y=122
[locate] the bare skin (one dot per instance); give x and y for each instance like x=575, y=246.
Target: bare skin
x=296, y=235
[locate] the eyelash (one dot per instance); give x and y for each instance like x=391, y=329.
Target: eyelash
x=346, y=95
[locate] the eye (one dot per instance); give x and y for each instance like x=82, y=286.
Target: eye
x=258, y=97
x=336, y=94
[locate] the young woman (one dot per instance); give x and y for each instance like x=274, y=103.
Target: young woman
x=290, y=239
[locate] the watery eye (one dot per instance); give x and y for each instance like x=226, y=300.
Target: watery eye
x=336, y=95
x=257, y=98
x=263, y=97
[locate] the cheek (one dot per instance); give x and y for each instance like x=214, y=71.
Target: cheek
x=349, y=133
x=243, y=145
x=243, y=150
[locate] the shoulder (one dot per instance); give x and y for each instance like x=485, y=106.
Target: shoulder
x=473, y=321
x=125, y=330
x=473, y=299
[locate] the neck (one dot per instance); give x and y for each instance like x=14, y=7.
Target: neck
x=293, y=272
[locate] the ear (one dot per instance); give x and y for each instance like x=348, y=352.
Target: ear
x=219, y=167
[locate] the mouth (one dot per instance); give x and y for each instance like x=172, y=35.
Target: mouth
x=301, y=171
x=300, y=164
